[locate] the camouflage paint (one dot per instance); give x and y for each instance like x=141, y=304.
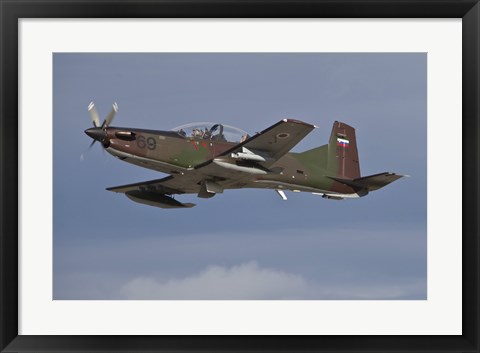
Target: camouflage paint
x=329, y=169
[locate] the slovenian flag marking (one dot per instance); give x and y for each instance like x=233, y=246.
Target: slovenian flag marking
x=342, y=142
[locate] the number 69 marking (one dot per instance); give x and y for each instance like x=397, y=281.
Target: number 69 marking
x=150, y=142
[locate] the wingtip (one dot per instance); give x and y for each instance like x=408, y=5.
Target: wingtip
x=295, y=121
x=399, y=175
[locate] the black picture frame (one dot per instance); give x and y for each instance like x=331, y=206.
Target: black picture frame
x=12, y=10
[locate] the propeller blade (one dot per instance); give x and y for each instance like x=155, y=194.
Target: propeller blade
x=94, y=114
x=110, y=116
x=82, y=156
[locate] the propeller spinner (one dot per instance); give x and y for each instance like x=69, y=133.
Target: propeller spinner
x=96, y=133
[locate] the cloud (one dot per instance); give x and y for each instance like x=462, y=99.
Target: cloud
x=249, y=281
x=245, y=281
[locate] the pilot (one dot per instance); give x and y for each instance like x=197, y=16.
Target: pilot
x=206, y=134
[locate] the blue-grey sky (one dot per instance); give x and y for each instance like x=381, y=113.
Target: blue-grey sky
x=242, y=244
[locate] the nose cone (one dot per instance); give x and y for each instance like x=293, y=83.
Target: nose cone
x=96, y=133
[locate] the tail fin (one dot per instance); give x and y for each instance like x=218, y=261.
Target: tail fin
x=342, y=159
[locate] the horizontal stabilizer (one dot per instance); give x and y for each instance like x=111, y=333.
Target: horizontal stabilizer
x=371, y=182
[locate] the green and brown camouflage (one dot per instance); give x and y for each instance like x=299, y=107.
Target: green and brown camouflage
x=206, y=159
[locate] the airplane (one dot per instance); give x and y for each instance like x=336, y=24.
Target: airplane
x=208, y=158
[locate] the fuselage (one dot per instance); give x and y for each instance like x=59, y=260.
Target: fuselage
x=174, y=153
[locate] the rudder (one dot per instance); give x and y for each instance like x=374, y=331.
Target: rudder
x=342, y=159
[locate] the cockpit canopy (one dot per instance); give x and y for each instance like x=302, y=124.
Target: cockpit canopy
x=212, y=131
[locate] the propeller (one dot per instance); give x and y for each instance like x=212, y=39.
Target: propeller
x=99, y=131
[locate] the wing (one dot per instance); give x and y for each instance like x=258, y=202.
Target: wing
x=266, y=147
x=203, y=183
x=158, y=192
x=277, y=140
x=170, y=185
